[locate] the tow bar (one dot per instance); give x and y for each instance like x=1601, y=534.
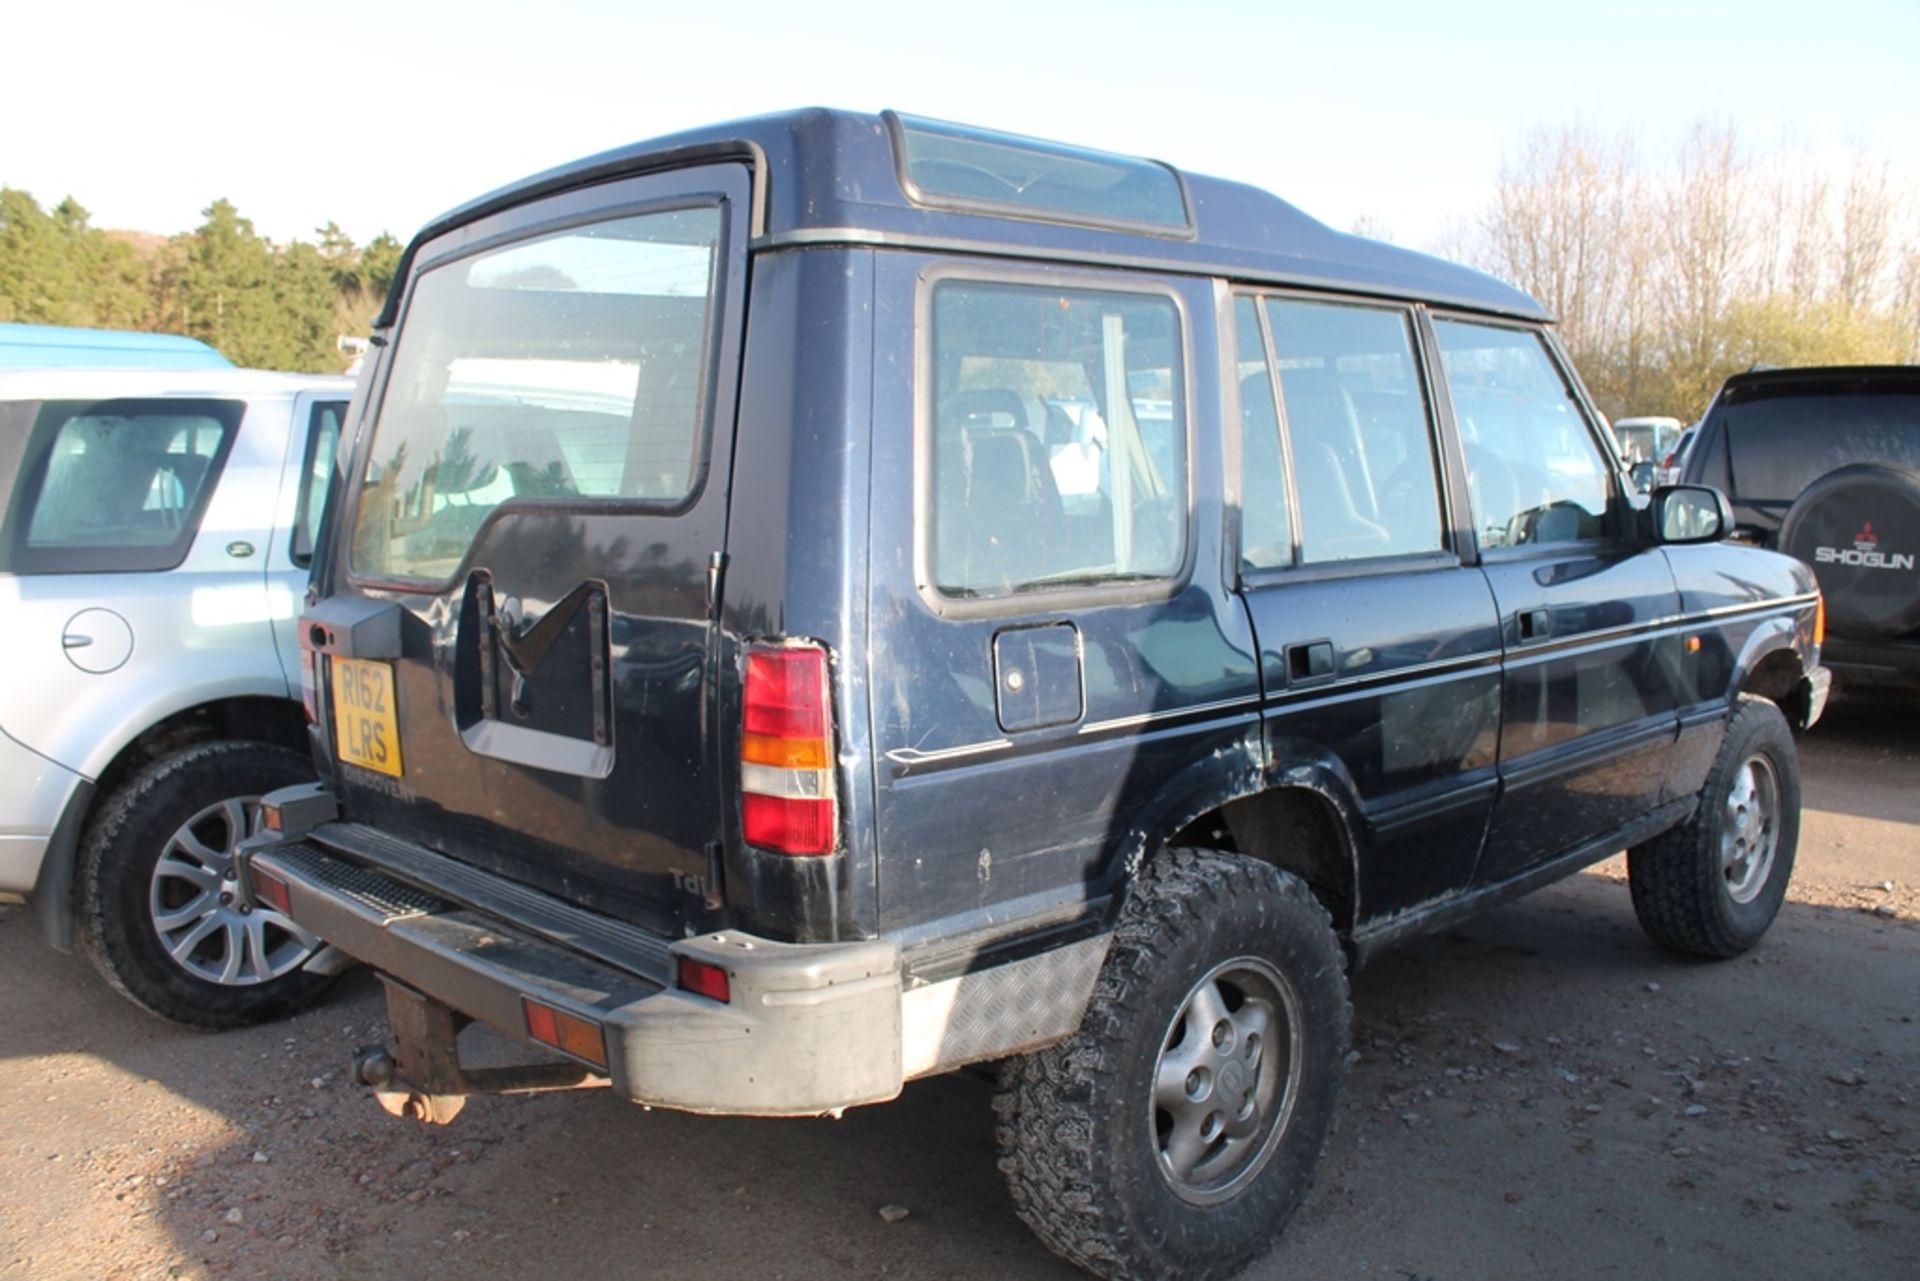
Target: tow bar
x=421, y=1079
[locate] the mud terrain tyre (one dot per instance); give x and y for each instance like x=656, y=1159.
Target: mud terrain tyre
x=1865, y=521
x=152, y=916
x=1177, y=1130
x=1713, y=885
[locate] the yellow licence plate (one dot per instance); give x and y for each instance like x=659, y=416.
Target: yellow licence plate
x=365, y=730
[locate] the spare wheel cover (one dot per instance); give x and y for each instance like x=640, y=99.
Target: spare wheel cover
x=1859, y=527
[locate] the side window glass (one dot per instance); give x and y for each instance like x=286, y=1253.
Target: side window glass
x=1058, y=439
x=1534, y=472
x=316, y=478
x=121, y=484
x=1361, y=442
x=1266, y=532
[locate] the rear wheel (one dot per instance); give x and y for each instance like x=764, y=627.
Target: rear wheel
x=159, y=914
x=1713, y=885
x=1174, y=1134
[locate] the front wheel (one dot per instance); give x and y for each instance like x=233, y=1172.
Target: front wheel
x=159, y=911
x=1713, y=885
x=1177, y=1130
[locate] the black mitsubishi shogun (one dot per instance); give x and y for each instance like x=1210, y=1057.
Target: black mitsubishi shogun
x=1824, y=464
x=829, y=599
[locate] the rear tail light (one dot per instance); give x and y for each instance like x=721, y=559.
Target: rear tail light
x=568, y=1033
x=787, y=791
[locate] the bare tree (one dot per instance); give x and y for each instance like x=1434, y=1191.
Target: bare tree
x=1667, y=278
x=1708, y=254
x=1560, y=227
x=1866, y=232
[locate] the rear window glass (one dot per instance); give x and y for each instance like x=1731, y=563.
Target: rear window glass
x=955, y=165
x=572, y=366
x=1782, y=444
x=116, y=486
x=1058, y=439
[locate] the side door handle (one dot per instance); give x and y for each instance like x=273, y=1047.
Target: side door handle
x=1536, y=624
x=1310, y=661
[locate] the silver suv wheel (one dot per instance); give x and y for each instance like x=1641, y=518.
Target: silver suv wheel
x=195, y=908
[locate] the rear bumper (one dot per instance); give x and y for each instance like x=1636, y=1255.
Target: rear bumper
x=1890, y=663
x=809, y=1028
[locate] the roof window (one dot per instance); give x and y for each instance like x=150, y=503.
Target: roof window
x=953, y=166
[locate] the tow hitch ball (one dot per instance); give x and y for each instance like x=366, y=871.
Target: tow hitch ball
x=421, y=1079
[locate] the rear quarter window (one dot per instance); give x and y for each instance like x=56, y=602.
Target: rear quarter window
x=1058, y=445
x=115, y=486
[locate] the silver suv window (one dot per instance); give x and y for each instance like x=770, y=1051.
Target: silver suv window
x=116, y=486
x=569, y=366
x=316, y=478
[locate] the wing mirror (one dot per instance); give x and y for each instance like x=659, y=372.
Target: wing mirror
x=1690, y=514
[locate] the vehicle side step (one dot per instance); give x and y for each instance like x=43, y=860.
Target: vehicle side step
x=615, y=943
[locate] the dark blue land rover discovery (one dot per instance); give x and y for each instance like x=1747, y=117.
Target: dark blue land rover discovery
x=829, y=599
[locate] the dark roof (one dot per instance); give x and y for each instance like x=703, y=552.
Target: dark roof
x=1821, y=378
x=825, y=175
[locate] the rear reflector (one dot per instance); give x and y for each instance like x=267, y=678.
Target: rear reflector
x=272, y=891
x=787, y=791
x=792, y=827
x=568, y=1033
x=705, y=980
x=310, y=684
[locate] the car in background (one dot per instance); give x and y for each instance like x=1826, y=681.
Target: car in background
x=1674, y=462
x=155, y=532
x=1642, y=442
x=1824, y=464
x=62, y=347
x=1646, y=439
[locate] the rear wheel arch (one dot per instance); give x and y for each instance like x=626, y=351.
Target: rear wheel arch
x=252, y=719
x=1302, y=828
x=259, y=719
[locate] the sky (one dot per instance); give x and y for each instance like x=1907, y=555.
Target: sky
x=379, y=117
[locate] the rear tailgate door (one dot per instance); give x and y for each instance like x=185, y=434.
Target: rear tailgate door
x=518, y=663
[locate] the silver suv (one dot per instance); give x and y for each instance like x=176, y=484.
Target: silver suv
x=155, y=532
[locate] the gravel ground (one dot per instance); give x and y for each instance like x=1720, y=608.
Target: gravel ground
x=1538, y=1093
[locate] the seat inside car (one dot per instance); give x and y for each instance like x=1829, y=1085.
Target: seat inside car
x=1331, y=478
